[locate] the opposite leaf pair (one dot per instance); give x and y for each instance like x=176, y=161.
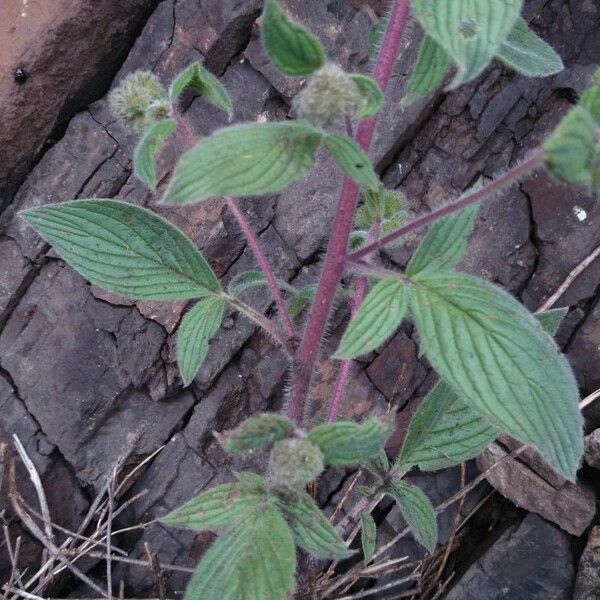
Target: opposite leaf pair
x=260, y=521
x=491, y=351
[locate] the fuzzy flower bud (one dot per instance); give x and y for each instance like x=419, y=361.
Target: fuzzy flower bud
x=294, y=463
x=139, y=101
x=328, y=96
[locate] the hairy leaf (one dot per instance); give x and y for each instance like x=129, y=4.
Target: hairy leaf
x=417, y=511
x=220, y=506
x=376, y=33
x=291, y=47
x=470, y=31
x=570, y=151
x=444, y=244
x=497, y=357
x=384, y=206
x=550, y=320
x=248, y=280
x=379, y=465
x=429, y=71
x=206, y=84
x=299, y=302
x=352, y=160
x=445, y=430
x=257, y=432
x=368, y=536
x=590, y=99
x=377, y=319
x=253, y=559
x=528, y=54
x=311, y=529
x=252, y=159
x=346, y=443
x=149, y=145
x=125, y=249
x=197, y=327
x=370, y=93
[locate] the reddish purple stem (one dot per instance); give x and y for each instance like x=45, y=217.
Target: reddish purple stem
x=188, y=135
x=333, y=266
x=264, y=265
x=344, y=371
x=515, y=174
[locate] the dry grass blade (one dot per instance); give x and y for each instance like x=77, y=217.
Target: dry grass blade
x=388, y=586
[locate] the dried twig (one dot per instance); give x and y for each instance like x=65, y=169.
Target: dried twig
x=37, y=484
x=564, y=286
x=55, y=552
x=156, y=569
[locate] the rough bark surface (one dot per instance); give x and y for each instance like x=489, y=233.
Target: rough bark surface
x=87, y=378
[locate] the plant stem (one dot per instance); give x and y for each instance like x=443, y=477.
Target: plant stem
x=183, y=128
x=188, y=135
x=263, y=264
x=261, y=320
x=516, y=173
x=333, y=265
x=344, y=370
x=378, y=270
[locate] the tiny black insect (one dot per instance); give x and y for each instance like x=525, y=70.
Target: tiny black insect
x=20, y=75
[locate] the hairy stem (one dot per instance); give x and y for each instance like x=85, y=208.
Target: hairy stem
x=263, y=264
x=515, y=174
x=344, y=371
x=333, y=265
x=260, y=319
x=188, y=135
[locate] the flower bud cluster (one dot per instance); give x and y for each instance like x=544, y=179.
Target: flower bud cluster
x=329, y=95
x=139, y=101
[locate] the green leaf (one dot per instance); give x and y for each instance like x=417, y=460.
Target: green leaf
x=125, y=249
x=444, y=244
x=429, y=70
x=470, y=31
x=570, y=151
x=150, y=144
x=291, y=47
x=345, y=443
x=528, y=54
x=352, y=160
x=497, y=357
x=445, y=430
x=219, y=506
x=297, y=304
x=206, y=84
x=417, y=511
x=590, y=99
x=257, y=433
x=371, y=95
x=254, y=559
x=377, y=319
x=253, y=159
x=376, y=33
x=368, y=536
x=254, y=279
x=384, y=206
x=550, y=320
x=379, y=465
x=197, y=327
x=312, y=531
